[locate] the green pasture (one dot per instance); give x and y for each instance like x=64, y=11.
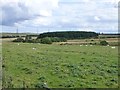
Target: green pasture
x=59, y=66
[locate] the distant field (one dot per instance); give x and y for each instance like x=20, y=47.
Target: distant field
x=7, y=40
x=111, y=41
x=15, y=34
x=109, y=36
x=58, y=66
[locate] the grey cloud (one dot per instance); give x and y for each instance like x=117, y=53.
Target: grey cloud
x=77, y=13
x=12, y=14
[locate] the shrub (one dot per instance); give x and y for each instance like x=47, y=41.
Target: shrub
x=19, y=39
x=55, y=39
x=103, y=43
x=39, y=85
x=42, y=78
x=29, y=41
x=42, y=85
x=37, y=41
x=63, y=40
x=46, y=40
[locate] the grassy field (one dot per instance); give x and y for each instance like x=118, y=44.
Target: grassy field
x=57, y=66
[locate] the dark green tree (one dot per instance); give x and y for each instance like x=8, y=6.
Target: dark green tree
x=104, y=43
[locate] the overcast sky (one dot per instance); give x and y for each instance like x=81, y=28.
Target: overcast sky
x=57, y=15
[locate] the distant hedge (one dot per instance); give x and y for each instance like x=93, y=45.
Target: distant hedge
x=46, y=40
x=9, y=36
x=69, y=35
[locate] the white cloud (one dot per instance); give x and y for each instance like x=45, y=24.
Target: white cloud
x=97, y=18
x=86, y=14
x=86, y=29
x=38, y=6
x=45, y=13
x=15, y=11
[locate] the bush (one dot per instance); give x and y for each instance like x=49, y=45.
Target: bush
x=19, y=39
x=55, y=39
x=37, y=41
x=40, y=85
x=63, y=40
x=33, y=41
x=103, y=43
x=46, y=40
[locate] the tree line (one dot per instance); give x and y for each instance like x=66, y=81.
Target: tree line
x=70, y=35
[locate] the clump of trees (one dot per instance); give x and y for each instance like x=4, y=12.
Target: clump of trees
x=70, y=35
x=46, y=40
x=50, y=40
x=50, y=37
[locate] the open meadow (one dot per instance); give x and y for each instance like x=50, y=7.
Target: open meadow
x=58, y=66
